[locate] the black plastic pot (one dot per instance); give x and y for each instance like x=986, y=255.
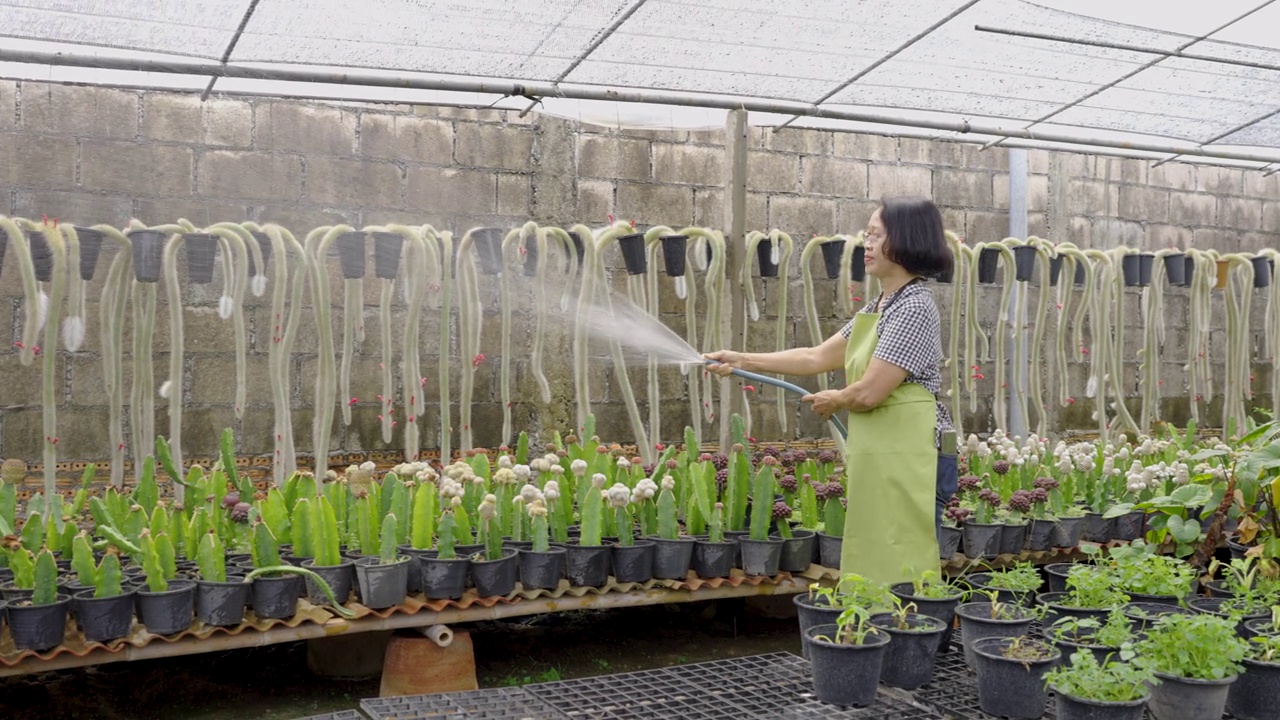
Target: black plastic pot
x=542, y=570
x=1102, y=653
x=488, y=247
x=1253, y=695
x=1038, y=534
x=673, y=254
x=443, y=579
x=201, y=249
x=1189, y=270
x=41, y=255
x=264, y=244
x=90, y=249
x=1024, y=258
x=672, y=558
x=633, y=257
x=383, y=585
x=843, y=674
x=38, y=627
x=829, y=549
x=1055, y=269
x=858, y=264
x=797, y=551
x=1080, y=274
x=948, y=541
x=1066, y=532
x=1175, y=269
x=976, y=623
x=1172, y=600
x=103, y=619
x=1179, y=698
x=713, y=560
x=579, y=247
x=1261, y=271
x=468, y=550
x=1254, y=628
x=944, y=609
x=1213, y=606
x=733, y=536
x=386, y=254
x=222, y=603
x=340, y=578
x=168, y=612
x=1129, y=527
x=760, y=557
x=1054, y=609
x=148, y=250
x=1012, y=538
x=832, y=251
x=351, y=254
x=4, y=245
x=1142, y=614
x=276, y=596
x=1145, y=263
x=812, y=613
x=1012, y=687
x=1130, y=266
x=764, y=255
x=1070, y=707
x=988, y=261
x=946, y=276
x=633, y=563
x=981, y=540
x=496, y=578
x=909, y=659
x=1097, y=528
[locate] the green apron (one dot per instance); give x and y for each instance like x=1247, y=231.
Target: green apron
x=891, y=466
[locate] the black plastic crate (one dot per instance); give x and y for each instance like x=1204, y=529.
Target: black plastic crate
x=339, y=715
x=506, y=703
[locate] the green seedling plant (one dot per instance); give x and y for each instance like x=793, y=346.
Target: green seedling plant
x=1264, y=648
x=426, y=501
x=1083, y=677
x=859, y=598
x=1021, y=578
x=1092, y=587
x=388, y=553
x=930, y=584
x=1137, y=568
x=1196, y=646
x=1244, y=580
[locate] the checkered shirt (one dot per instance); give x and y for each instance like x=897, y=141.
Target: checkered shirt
x=910, y=337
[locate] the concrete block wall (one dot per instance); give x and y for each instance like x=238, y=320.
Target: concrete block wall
x=97, y=155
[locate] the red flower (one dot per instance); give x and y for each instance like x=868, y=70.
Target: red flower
x=477, y=360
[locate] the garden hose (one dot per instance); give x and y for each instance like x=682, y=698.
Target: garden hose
x=783, y=384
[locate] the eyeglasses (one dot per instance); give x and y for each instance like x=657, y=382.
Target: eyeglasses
x=876, y=234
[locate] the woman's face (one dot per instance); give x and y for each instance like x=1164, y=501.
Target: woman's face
x=877, y=264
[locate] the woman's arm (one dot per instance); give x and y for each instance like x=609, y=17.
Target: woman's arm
x=826, y=357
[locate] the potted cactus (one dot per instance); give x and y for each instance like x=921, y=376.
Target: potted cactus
x=39, y=620
x=761, y=554
x=831, y=538
x=588, y=560
x=496, y=568
x=541, y=565
x=672, y=551
x=632, y=559
x=167, y=604
x=444, y=573
x=105, y=611
x=384, y=580
x=275, y=593
x=220, y=598
x=316, y=537
x=713, y=557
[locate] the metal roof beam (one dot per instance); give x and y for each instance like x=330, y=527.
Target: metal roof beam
x=231, y=46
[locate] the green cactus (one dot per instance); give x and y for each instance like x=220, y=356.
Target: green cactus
x=82, y=560
x=266, y=551
x=290, y=491
x=736, y=491
x=446, y=542
x=668, y=526
x=559, y=513
x=145, y=493
x=107, y=582
x=23, y=564
x=808, y=505
x=33, y=532
x=423, y=523
x=82, y=493
x=12, y=474
x=165, y=457
x=388, y=540
x=516, y=517
x=716, y=526
x=541, y=531
x=46, y=579
x=762, y=503
x=366, y=527
x=152, y=564
x=135, y=522
x=833, y=517
x=302, y=528
x=116, y=538
x=463, y=530
x=490, y=532
x=227, y=452
x=324, y=522
x=400, y=508
x=196, y=527
x=275, y=513
x=211, y=558
x=159, y=522
x=592, y=512
x=522, y=448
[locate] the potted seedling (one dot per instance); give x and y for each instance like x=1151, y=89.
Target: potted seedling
x=672, y=551
x=1107, y=640
x=1017, y=584
x=991, y=618
x=1196, y=657
x=542, y=565
x=1011, y=673
x=932, y=595
x=632, y=559
x=819, y=606
x=220, y=597
x=37, y=621
x=847, y=657
x=1088, y=689
x=761, y=554
x=384, y=580
x=104, y=612
x=913, y=647
x=1090, y=592
x=1253, y=696
x=495, y=569
x=1149, y=577
x=316, y=533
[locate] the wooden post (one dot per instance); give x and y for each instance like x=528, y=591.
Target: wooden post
x=735, y=232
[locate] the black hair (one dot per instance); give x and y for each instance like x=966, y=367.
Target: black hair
x=914, y=236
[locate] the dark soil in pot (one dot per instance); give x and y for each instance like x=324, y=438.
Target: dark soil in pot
x=976, y=623
x=1012, y=538
x=812, y=612
x=340, y=577
x=943, y=609
x=168, y=612
x=222, y=603
x=981, y=540
x=103, y=619
x=1142, y=613
x=713, y=560
x=1066, y=532
x=1013, y=687
x=1097, y=528
x=1254, y=695
x=760, y=557
x=443, y=579
x=1039, y=533
x=633, y=563
x=797, y=551
x=276, y=596
x=909, y=660
x=1069, y=707
x=542, y=570
x=844, y=674
x=948, y=542
x=672, y=558
x=38, y=627
x=1177, y=698
x=383, y=585
x=829, y=548
x=496, y=578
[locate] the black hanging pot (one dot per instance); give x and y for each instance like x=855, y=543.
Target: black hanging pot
x=1189, y=274
x=1080, y=276
x=832, y=250
x=1130, y=265
x=946, y=276
x=1145, y=262
x=386, y=254
x=90, y=248
x=351, y=253
x=38, y=627
x=633, y=563
x=542, y=570
x=170, y=611
x=41, y=255
x=4, y=245
x=578, y=246
x=148, y=249
x=222, y=604
x=1261, y=271
x=673, y=253
x=103, y=619
x=1055, y=269
x=276, y=596
x=858, y=264
x=764, y=253
x=1024, y=257
x=488, y=246
x=988, y=260
x=1175, y=269
x=264, y=244
x=201, y=249
x=633, y=253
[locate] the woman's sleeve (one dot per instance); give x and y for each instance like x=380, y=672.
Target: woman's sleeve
x=910, y=336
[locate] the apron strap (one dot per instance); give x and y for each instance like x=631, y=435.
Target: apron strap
x=882, y=306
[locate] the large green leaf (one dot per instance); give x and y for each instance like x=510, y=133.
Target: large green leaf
x=1184, y=531
x=1192, y=495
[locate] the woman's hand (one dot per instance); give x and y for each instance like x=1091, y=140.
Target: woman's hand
x=724, y=362
x=826, y=402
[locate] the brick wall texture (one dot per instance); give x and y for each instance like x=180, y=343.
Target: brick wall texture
x=95, y=155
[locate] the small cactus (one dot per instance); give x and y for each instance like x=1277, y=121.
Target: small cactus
x=716, y=524
x=390, y=537
x=152, y=562
x=211, y=559
x=668, y=527
x=82, y=559
x=808, y=504
x=762, y=503
x=324, y=523
x=446, y=542
x=266, y=551
x=592, y=511
x=107, y=582
x=13, y=471
x=424, y=516
x=620, y=500
x=302, y=528
x=489, y=529
x=538, y=520
x=45, y=590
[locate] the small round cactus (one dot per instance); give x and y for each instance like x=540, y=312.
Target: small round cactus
x=781, y=511
x=788, y=483
x=13, y=471
x=1000, y=467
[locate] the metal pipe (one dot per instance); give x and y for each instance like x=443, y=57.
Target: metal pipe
x=231, y=46
x=513, y=88
x=789, y=387
x=1018, y=169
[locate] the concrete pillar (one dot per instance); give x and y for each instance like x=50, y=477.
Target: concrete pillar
x=735, y=233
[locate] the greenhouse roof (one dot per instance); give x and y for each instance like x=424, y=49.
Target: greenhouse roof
x=1149, y=78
